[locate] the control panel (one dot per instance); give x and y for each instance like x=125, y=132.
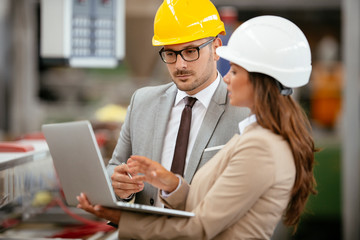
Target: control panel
x=85, y=33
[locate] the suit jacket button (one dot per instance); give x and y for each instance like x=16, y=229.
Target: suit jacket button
x=152, y=201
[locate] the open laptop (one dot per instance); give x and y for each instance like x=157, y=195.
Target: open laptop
x=80, y=168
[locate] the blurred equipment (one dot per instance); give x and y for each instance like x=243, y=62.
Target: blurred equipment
x=111, y=113
x=82, y=33
x=327, y=84
x=229, y=15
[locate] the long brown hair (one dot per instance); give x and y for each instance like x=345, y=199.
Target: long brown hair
x=283, y=116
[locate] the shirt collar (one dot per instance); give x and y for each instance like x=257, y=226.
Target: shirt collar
x=246, y=122
x=204, y=96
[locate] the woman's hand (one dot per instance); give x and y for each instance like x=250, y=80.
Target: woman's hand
x=154, y=173
x=110, y=214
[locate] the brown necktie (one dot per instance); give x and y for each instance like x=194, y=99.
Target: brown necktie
x=182, y=139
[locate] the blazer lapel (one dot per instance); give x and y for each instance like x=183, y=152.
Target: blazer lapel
x=215, y=110
x=162, y=115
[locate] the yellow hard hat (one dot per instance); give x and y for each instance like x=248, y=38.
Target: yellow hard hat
x=180, y=21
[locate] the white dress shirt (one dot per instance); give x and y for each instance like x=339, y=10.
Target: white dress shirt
x=198, y=113
x=246, y=122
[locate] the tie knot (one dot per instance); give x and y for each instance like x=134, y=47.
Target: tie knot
x=190, y=101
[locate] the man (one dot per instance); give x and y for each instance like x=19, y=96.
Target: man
x=188, y=31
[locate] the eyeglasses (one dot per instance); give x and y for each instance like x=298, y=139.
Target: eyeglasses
x=188, y=54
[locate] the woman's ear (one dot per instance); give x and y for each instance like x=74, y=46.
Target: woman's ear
x=217, y=43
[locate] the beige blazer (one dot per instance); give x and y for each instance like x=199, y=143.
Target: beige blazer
x=241, y=193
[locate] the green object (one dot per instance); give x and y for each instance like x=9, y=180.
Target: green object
x=327, y=203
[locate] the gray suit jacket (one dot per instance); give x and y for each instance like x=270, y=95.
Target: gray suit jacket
x=144, y=130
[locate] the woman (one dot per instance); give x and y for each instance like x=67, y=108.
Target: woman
x=259, y=176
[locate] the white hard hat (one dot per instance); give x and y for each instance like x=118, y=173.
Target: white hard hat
x=273, y=46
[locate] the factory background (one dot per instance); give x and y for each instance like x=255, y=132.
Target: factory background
x=44, y=78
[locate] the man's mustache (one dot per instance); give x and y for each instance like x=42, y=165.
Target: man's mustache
x=183, y=72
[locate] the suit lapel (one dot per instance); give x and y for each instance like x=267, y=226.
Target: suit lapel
x=215, y=110
x=165, y=103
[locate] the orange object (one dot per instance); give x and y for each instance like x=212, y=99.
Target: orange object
x=326, y=95
x=101, y=138
x=15, y=147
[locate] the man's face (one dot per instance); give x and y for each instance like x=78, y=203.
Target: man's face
x=192, y=77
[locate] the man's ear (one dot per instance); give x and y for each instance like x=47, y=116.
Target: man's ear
x=217, y=43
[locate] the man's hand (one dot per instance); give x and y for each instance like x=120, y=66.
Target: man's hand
x=113, y=215
x=154, y=173
x=123, y=185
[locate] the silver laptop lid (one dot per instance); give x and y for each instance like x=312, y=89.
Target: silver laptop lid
x=76, y=155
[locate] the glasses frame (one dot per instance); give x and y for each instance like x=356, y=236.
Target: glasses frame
x=180, y=52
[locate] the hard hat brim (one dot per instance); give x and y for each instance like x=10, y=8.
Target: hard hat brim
x=180, y=40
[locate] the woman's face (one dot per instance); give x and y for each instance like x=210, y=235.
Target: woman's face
x=241, y=91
